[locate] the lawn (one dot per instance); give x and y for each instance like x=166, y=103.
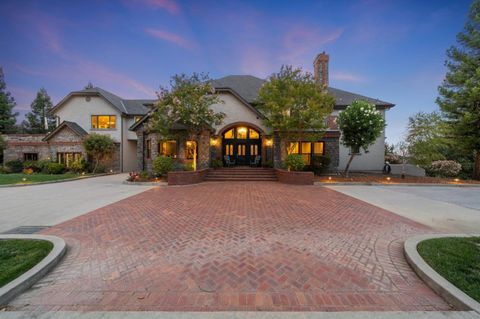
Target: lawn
x=19, y=255
x=33, y=178
x=457, y=260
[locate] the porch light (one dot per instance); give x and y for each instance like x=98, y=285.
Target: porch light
x=213, y=141
x=269, y=142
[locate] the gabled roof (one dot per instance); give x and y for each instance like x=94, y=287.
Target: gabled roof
x=77, y=129
x=248, y=86
x=128, y=107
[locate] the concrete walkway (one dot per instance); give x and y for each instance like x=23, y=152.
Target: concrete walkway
x=50, y=204
x=446, y=209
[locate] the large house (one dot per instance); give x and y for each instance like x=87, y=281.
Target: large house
x=241, y=136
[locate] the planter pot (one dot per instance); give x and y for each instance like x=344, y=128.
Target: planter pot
x=186, y=177
x=292, y=177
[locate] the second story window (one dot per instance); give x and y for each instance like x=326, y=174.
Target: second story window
x=104, y=122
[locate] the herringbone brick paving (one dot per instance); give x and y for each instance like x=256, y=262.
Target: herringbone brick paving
x=236, y=246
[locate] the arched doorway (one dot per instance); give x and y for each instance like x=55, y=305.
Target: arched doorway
x=242, y=143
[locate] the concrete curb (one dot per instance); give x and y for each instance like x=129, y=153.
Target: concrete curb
x=393, y=184
x=25, y=281
x=145, y=183
x=56, y=181
x=440, y=285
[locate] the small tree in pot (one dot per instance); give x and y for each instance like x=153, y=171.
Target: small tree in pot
x=361, y=124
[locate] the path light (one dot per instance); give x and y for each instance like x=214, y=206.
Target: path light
x=111, y=171
x=388, y=179
x=329, y=178
x=156, y=179
x=456, y=180
x=24, y=179
x=83, y=173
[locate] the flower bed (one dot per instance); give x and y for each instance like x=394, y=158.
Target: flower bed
x=186, y=177
x=294, y=177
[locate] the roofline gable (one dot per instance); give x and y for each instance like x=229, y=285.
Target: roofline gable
x=81, y=94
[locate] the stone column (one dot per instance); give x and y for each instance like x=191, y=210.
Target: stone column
x=277, y=150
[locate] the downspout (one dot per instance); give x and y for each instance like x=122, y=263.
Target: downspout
x=143, y=150
x=121, y=144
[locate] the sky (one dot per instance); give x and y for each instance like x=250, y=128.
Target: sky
x=385, y=49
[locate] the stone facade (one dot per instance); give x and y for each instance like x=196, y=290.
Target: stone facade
x=63, y=141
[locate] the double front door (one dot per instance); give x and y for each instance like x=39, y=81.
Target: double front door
x=242, y=152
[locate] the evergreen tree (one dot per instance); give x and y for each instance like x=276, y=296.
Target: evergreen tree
x=39, y=119
x=7, y=103
x=459, y=97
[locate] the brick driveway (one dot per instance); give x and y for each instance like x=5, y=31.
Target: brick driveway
x=237, y=246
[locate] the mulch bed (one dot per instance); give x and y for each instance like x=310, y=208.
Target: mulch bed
x=390, y=179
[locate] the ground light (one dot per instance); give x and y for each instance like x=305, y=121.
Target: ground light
x=388, y=179
x=24, y=179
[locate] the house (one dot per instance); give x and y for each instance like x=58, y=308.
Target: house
x=241, y=136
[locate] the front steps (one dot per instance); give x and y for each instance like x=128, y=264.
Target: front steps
x=232, y=174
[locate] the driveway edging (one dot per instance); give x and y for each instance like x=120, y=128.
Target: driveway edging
x=434, y=280
x=26, y=280
x=55, y=181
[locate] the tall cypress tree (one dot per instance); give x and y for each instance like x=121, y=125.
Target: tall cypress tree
x=7, y=103
x=459, y=97
x=41, y=107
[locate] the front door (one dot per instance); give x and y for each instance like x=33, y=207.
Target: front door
x=242, y=144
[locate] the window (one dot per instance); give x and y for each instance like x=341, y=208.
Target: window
x=149, y=148
x=253, y=134
x=253, y=149
x=306, y=149
x=67, y=158
x=30, y=156
x=229, y=149
x=168, y=148
x=104, y=122
x=241, y=150
x=241, y=133
x=230, y=134
x=190, y=148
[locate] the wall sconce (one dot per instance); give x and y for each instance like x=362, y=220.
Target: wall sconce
x=269, y=142
x=213, y=141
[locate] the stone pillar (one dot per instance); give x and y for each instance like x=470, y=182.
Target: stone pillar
x=332, y=150
x=203, y=155
x=140, y=151
x=277, y=150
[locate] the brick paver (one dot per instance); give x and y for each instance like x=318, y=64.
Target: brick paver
x=234, y=246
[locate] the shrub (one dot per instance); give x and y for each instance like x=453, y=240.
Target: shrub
x=27, y=171
x=217, y=163
x=143, y=175
x=294, y=162
x=4, y=170
x=162, y=165
x=320, y=164
x=445, y=168
x=36, y=166
x=187, y=167
x=14, y=166
x=78, y=166
x=55, y=168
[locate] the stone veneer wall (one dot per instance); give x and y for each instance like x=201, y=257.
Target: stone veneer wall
x=17, y=144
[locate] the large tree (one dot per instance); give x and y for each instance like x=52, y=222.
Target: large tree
x=295, y=105
x=186, y=105
x=459, y=94
x=7, y=103
x=426, y=138
x=39, y=119
x=361, y=124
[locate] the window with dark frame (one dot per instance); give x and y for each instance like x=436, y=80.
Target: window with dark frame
x=104, y=122
x=67, y=158
x=167, y=148
x=307, y=150
x=30, y=157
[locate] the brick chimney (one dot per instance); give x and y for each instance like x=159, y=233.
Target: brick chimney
x=320, y=68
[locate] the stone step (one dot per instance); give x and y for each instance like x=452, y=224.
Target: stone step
x=240, y=179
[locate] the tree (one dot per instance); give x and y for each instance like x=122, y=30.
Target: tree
x=295, y=105
x=99, y=147
x=459, y=94
x=361, y=124
x=426, y=138
x=7, y=103
x=39, y=119
x=186, y=104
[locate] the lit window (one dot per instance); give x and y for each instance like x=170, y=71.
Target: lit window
x=168, y=148
x=293, y=148
x=229, y=149
x=241, y=150
x=318, y=148
x=253, y=133
x=103, y=122
x=253, y=149
x=241, y=133
x=229, y=134
x=306, y=150
x=190, y=149
x=68, y=158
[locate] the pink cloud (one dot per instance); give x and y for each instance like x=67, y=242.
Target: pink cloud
x=170, y=37
x=169, y=5
x=256, y=61
x=346, y=77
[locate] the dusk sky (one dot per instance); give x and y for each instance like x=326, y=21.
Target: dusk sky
x=391, y=50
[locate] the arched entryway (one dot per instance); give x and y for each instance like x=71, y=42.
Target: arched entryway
x=241, y=143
